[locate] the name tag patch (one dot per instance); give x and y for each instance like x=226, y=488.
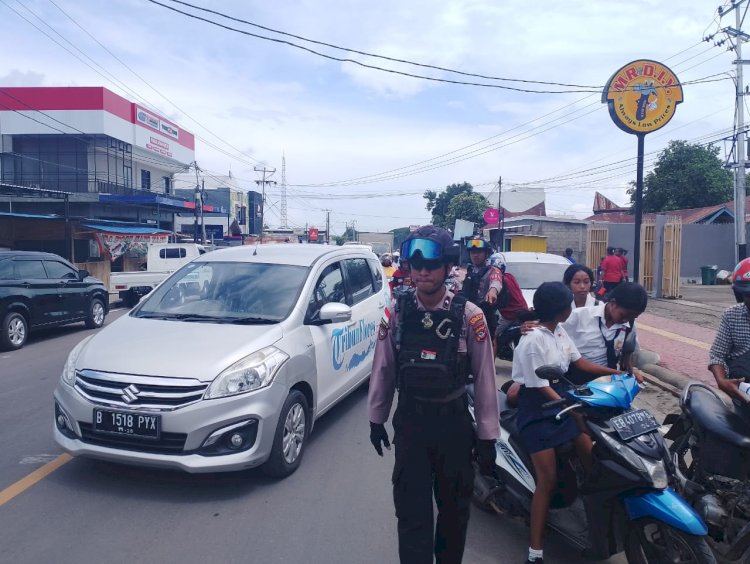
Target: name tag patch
x=428, y=355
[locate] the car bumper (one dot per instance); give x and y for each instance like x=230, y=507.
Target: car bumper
x=195, y=422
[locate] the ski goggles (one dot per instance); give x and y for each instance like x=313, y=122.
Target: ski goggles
x=477, y=244
x=429, y=249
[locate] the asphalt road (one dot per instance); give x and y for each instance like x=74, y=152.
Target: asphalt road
x=336, y=508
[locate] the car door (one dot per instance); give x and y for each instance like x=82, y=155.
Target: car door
x=39, y=291
x=329, y=287
x=71, y=291
x=367, y=302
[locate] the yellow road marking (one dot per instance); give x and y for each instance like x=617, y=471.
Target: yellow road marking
x=674, y=336
x=39, y=474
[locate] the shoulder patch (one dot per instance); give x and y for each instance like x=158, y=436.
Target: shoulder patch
x=479, y=326
x=383, y=329
x=476, y=319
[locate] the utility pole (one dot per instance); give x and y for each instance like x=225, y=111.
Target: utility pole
x=284, y=220
x=739, y=172
x=501, y=219
x=262, y=184
x=198, y=199
x=328, y=227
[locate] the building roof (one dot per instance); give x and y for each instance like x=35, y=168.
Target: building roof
x=602, y=204
x=719, y=213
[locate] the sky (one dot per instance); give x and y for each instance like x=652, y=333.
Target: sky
x=364, y=143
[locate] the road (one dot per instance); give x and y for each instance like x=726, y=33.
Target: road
x=336, y=509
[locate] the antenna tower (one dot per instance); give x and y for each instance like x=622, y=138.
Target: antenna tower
x=284, y=221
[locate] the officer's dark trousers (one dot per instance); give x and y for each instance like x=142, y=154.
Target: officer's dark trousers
x=433, y=456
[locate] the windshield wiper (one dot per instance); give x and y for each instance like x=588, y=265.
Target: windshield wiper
x=181, y=316
x=252, y=321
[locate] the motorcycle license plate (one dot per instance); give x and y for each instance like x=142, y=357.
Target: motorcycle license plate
x=131, y=424
x=634, y=423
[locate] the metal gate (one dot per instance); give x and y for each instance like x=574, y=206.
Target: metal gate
x=598, y=238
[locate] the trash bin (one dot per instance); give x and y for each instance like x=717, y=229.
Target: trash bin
x=708, y=275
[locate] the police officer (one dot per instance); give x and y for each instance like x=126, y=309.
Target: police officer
x=484, y=282
x=427, y=344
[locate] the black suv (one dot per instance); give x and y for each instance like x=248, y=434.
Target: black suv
x=44, y=290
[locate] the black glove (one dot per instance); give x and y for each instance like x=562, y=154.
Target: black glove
x=379, y=435
x=485, y=451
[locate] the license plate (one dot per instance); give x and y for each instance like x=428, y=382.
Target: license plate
x=634, y=423
x=124, y=423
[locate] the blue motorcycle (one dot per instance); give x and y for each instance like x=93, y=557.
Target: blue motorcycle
x=625, y=504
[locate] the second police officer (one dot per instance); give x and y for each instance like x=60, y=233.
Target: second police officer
x=483, y=283
x=428, y=343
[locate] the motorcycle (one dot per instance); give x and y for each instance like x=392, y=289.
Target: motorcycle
x=507, y=341
x=625, y=504
x=711, y=450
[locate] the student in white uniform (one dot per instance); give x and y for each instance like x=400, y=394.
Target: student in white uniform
x=540, y=434
x=580, y=278
x=605, y=334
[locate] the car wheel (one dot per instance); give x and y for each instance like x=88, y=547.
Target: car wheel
x=97, y=312
x=15, y=331
x=289, y=440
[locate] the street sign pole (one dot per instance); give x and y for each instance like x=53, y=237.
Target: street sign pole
x=638, y=210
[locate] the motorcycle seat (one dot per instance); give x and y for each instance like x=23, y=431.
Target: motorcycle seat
x=713, y=415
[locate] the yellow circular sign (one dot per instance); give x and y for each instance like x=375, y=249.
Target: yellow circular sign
x=642, y=96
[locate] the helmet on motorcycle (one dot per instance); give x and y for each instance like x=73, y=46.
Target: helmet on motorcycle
x=741, y=279
x=498, y=261
x=478, y=244
x=429, y=243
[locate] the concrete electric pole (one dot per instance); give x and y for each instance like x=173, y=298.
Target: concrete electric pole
x=262, y=183
x=739, y=172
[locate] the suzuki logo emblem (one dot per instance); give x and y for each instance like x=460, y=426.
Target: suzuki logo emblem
x=130, y=394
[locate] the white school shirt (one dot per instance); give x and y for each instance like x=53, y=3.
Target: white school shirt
x=583, y=328
x=541, y=347
x=590, y=302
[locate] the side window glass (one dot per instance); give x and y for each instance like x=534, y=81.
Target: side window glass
x=6, y=270
x=59, y=270
x=377, y=274
x=359, y=277
x=27, y=269
x=328, y=288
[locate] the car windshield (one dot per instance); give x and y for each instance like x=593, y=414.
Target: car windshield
x=530, y=275
x=226, y=292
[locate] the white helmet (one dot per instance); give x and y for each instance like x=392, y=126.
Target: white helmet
x=498, y=261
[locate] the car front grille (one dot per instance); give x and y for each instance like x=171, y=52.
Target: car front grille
x=167, y=443
x=146, y=392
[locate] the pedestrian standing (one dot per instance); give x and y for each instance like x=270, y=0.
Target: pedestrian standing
x=428, y=343
x=483, y=283
x=611, y=270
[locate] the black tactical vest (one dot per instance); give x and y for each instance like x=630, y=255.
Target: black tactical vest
x=429, y=364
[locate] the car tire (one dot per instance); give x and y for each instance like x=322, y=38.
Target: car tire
x=15, y=331
x=290, y=438
x=97, y=313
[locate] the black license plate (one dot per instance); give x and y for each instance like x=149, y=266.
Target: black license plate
x=634, y=423
x=125, y=423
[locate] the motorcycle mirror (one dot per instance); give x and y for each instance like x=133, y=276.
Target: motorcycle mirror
x=549, y=372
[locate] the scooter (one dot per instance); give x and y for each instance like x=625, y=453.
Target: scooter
x=711, y=449
x=507, y=341
x=625, y=504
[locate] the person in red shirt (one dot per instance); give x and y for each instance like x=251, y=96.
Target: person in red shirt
x=612, y=267
x=511, y=301
x=624, y=259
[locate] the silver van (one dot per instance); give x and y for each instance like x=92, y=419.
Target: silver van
x=227, y=364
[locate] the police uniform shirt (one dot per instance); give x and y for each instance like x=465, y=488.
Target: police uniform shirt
x=474, y=340
x=586, y=331
x=541, y=347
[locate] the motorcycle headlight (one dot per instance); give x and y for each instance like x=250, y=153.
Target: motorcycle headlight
x=251, y=373
x=654, y=469
x=69, y=369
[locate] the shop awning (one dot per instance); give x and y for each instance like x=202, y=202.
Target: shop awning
x=165, y=202
x=126, y=230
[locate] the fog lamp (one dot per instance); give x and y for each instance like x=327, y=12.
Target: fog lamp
x=236, y=440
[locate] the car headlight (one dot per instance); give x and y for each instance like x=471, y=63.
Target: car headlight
x=69, y=369
x=251, y=373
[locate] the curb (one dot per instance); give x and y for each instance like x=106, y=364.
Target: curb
x=664, y=379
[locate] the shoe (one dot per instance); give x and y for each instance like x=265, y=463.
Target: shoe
x=537, y=561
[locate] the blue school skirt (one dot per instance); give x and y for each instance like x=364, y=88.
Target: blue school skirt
x=537, y=426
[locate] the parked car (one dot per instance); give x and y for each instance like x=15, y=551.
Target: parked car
x=228, y=363
x=43, y=290
x=531, y=269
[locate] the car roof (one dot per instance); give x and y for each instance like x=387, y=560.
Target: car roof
x=521, y=256
x=29, y=254
x=284, y=253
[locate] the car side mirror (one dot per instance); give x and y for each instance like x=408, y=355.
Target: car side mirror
x=83, y=274
x=549, y=372
x=335, y=312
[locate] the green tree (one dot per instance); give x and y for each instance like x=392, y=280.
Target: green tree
x=686, y=175
x=445, y=212
x=399, y=234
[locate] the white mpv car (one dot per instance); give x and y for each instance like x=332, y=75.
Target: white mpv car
x=227, y=364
